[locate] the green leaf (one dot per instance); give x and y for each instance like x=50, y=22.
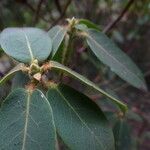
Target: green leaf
x=4, y=91
x=19, y=67
x=79, y=121
x=81, y=27
x=111, y=117
x=131, y=115
x=89, y=24
x=26, y=122
x=103, y=102
x=20, y=80
x=57, y=34
x=26, y=44
x=1, y=51
x=107, y=52
x=56, y=65
x=122, y=136
x=58, y=56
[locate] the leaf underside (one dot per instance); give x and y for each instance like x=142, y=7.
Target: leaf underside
x=107, y=52
x=57, y=34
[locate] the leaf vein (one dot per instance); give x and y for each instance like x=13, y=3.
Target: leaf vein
x=121, y=64
x=92, y=133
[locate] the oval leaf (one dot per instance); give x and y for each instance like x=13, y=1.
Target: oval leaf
x=84, y=80
x=107, y=52
x=57, y=34
x=26, y=44
x=19, y=67
x=26, y=122
x=79, y=121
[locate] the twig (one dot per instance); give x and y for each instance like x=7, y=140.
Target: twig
x=62, y=14
x=33, y=10
x=38, y=11
x=57, y=3
x=112, y=24
x=30, y=6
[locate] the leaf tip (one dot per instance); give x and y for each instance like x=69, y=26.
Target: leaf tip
x=144, y=87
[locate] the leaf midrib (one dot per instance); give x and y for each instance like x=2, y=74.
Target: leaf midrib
x=87, y=82
x=57, y=33
x=76, y=113
x=51, y=110
x=29, y=46
x=26, y=121
x=138, y=77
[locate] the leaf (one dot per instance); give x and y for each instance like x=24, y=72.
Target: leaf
x=118, y=61
x=20, y=80
x=1, y=51
x=4, y=91
x=131, y=115
x=111, y=117
x=122, y=136
x=121, y=130
x=26, y=44
x=81, y=27
x=89, y=24
x=57, y=34
x=79, y=121
x=56, y=65
x=103, y=102
x=58, y=56
x=26, y=122
x=17, y=68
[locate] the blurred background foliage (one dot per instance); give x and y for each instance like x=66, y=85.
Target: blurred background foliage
x=131, y=32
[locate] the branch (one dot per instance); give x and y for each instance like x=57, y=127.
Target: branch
x=112, y=24
x=57, y=3
x=62, y=14
x=33, y=10
x=37, y=12
x=29, y=6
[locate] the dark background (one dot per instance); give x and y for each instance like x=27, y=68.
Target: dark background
x=127, y=22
